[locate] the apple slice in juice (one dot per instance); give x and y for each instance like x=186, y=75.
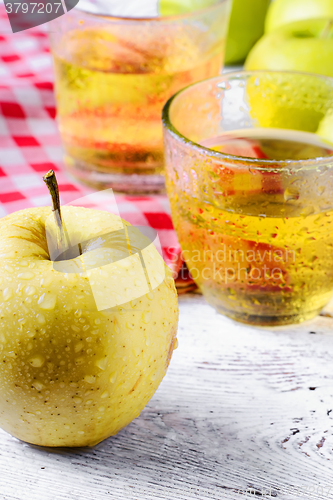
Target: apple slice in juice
x=266, y=144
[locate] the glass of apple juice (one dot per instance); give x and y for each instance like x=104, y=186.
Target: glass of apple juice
x=116, y=64
x=249, y=173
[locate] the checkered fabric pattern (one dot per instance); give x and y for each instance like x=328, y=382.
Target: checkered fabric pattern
x=30, y=143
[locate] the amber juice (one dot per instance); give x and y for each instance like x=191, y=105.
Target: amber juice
x=266, y=259
x=110, y=92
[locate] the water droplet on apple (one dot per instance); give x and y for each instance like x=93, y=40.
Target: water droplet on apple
x=146, y=317
x=7, y=294
x=37, y=385
x=77, y=400
x=28, y=275
x=101, y=409
x=90, y=379
x=102, y=363
x=78, y=347
x=112, y=378
x=37, y=361
x=22, y=322
x=47, y=301
x=105, y=395
x=46, y=281
x=137, y=350
x=9, y=269
x=41, y=319
x=30, y=290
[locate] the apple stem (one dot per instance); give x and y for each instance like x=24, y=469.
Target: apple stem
x=52, y=185
x=327, y=29
x=62, y=237
x=51, y=181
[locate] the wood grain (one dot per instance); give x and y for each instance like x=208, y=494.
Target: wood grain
x=239, y=408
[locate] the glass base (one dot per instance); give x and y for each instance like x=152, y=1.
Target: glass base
x=124, y=183
x=250, y=319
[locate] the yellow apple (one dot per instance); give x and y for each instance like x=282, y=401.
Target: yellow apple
x=72, y=373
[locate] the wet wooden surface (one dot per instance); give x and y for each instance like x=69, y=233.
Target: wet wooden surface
x=242, y=412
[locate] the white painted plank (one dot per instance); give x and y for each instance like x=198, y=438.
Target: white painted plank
x=235, y=411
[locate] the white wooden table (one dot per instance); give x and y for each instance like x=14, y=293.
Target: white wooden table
x=242, y=412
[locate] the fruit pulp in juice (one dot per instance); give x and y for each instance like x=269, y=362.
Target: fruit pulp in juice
x=111, y=89
x=265, y=259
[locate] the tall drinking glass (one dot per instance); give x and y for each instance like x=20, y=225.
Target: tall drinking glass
x=112, y=77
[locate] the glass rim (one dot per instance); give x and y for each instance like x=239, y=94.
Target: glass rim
x=152, y=19
x=257, y=163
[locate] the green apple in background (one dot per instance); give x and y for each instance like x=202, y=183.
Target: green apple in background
x=245, y=27
x=282, y=12
x=300, y=46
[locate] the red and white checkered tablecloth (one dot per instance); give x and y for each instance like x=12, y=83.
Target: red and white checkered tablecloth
x=30, y=143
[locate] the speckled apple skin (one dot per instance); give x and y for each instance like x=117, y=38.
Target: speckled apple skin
x=70, y=375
